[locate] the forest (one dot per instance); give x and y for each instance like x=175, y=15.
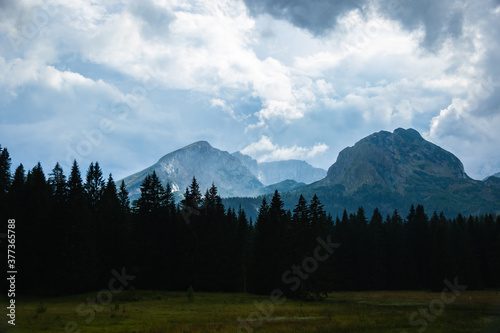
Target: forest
x=73, y=230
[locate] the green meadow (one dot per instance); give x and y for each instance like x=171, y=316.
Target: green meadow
x=158, y=312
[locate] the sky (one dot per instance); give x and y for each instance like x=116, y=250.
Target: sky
x=124, y=82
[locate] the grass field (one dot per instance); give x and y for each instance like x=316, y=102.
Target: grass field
x=157, y=312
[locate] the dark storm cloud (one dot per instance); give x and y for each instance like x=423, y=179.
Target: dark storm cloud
x=317, y=16
x=6, y=4
x=155, y=19
x=441, y=19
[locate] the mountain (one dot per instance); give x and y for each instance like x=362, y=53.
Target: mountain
x=394, y=171
x=251, y=164
x=394, y=161
x=283, y=186
x=278, y=171
x=494, y=175
x=208, y=164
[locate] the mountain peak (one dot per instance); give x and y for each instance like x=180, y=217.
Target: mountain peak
x=409, y=131
x=208, y=164
x=198, y=144
x=390, y=159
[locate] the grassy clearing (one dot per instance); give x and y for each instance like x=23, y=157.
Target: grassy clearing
x=158, y=312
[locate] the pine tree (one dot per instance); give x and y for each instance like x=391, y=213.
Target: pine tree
x=378, y=244
x=17, y=193
x=465, y=250
x=82, y=248
x=319, y=282
x=192, y=198
x=362, y=250
x=397, y=264
x=419, y=243
x=123, y=198
x=272, y=248
x=110, y=238
x=59, y=186
x=94, y=184
x=75, y=186
x=36, y=236
x=245, y=250
x=168, y=201
x=441, y=257
x=5, y=180
x=301, y=231
x=149, y=232
x=152, y=196
x=5, y=176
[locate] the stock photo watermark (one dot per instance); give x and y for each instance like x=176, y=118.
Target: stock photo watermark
x=436, y=307
x=94, y=138
x=11, y=270
x=192, y=209
x=91, y=305
x=34, y=24
x=293, y=278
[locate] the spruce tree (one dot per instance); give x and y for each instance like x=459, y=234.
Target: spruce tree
x=58, y=228
x=379, y=252
x=301, y=231
x=5, y=176
x=82, y=250
x=34, y=244
x=272, y=248
x=17, y=193
x=59, y=186
x=245, y=250
x=5, y=180
x=319, y=282
x=110, y=238
x=94, y=184
x=123, y=198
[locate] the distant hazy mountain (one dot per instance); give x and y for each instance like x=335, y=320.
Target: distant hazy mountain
x=251, y=165
x=283, y=186
x=278, y=171
x=494, y=175
x=209, y=165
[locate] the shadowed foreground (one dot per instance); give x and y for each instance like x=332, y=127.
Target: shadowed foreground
x=151, y=311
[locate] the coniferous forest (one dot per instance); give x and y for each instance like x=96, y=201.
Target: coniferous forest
x=73, y=229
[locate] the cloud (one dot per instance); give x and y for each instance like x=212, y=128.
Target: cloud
x=467, y=124
x=292, y=76
x=265, y=151
x=439, y=19
x=317, y=16
x=263, y=145
x=155, y=19
x=221, y=104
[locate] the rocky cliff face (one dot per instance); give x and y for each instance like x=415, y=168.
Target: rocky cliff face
x=251, y=165
x=394, y=161
x=208, y=164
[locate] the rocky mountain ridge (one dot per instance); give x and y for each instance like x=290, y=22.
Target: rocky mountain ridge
x=385, y=170
x=208, y=164
x=390, y=160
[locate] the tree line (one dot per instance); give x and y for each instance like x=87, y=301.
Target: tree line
x=71, y=231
